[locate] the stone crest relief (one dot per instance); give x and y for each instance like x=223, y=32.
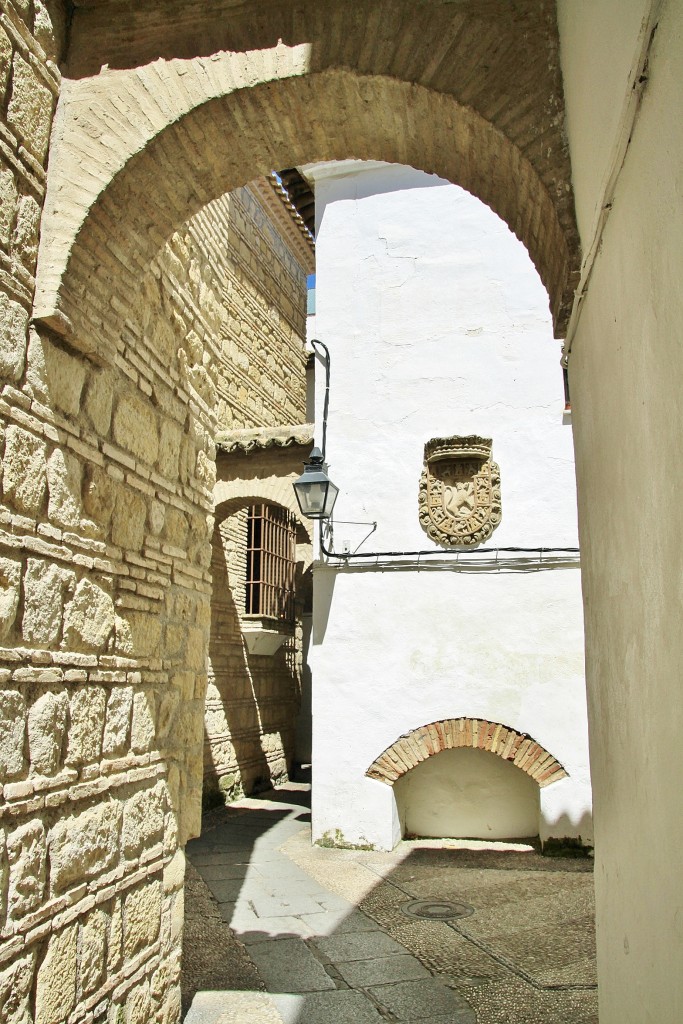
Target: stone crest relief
x=459, y=501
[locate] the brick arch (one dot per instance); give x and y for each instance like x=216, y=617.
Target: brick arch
x=112, y=204
x=230, y=495
x=477, y=733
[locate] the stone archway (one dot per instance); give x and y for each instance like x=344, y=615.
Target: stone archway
x=196, y=127
x=154, y=124
x=451, y=733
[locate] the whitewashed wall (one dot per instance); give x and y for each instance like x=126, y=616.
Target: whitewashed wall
x=627, y=365
x=437, y=324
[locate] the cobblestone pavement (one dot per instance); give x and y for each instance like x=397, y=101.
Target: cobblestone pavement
x=323, y=935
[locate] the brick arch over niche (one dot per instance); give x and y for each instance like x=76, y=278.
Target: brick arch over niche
x=450, y=733
x=120, y=186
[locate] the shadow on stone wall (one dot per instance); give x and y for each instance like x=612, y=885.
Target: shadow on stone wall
x=234, y=760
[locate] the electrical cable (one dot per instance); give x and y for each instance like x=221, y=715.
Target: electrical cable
x=347, y=555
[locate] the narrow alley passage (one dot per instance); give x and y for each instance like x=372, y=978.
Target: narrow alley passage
x=336, y=936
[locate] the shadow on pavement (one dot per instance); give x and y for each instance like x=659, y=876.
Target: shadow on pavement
x=329, y=935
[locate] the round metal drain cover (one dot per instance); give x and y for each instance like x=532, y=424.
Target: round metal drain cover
x=436, y=910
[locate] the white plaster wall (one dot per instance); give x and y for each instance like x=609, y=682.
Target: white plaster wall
x=626, y=370
x=437, y=325
x=468, y=793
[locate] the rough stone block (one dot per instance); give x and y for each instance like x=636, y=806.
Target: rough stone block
x=169, y=449
x=115, y=939
x=89, y=618
x=13, y=335
x=24, y=471
x=9, y=196
x=139, y=634
x=36, y=379
x=135, y=428
x=10, y=578
x=25, y=242
x=56, y=981
x=129, y=514
x=156, y=515
x=142, y=918
x=205, y=470
x=64, y=378
x=143, y=821
x=16, y=983
x=98, y=494
x=46, y=729
x=138, y=1006
x=174, y=872
x=143, y=731
x=30, y=108
x=168, y=707
x=92, y=946
x=118, y=721
x=45, y=587
x=177, y=915
x=64, y=486
x=83, y=845
x=197, y=649
x=99, y=397
x=49, y=27
x=176, y=527
x=26, y=854
x=176, y=635
x=87, y=708
x=5, y=61
x=12, y=727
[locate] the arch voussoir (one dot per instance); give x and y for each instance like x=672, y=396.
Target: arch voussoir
x=476, y=733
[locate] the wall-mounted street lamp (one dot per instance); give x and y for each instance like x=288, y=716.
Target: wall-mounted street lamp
x=314, y=490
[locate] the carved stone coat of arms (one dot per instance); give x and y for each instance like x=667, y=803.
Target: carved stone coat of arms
x=459, y=501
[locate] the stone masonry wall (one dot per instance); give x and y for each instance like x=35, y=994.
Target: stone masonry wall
x=252, y=700
x=249, y=290
x=106, y=519
x=105, y=523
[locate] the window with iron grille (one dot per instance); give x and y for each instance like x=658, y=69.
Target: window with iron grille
x=271, y=560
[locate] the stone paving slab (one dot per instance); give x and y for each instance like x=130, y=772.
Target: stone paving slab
x=219, y=872
x=339, y=1007
x=287, y=965
x=382, y=971
x=233, y=1008
x=226, y=890
x=340, y=922
x=277, y=926
x=276, y=906
x=358, y=946
x=420, y=1000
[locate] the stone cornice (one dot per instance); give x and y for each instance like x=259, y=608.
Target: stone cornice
x=261, y=438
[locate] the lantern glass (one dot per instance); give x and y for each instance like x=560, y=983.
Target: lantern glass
x=315, y=492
